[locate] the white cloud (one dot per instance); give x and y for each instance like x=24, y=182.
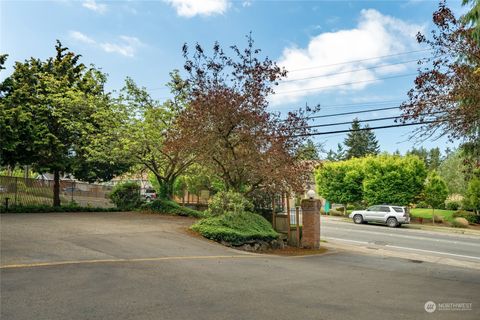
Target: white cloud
x=94, y=6
x=191, y=8
x=126, y=45
x=375, y=35
x=78, y=36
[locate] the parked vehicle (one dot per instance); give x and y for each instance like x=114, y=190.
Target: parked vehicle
x=149, y=194
x=392, y=216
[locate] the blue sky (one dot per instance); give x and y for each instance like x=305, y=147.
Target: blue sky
x=344, y=55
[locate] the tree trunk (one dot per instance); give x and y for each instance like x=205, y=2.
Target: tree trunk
x=56, y=188
x=166, y=188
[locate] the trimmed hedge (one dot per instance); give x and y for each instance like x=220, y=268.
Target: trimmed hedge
x=236, y=229
x=171, y=208
x=46, y=209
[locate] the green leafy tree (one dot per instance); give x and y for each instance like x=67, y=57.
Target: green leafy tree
x=436, y=191
x=340, y=182
x=195, y=179
x=452, y=170
x=472, y=196
x=393, y=179
x=360, y=143
x=49, y=109
x=472, y=17
x=229, y=202
x=146, y=131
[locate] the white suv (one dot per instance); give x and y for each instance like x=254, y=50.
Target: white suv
x=392, y=216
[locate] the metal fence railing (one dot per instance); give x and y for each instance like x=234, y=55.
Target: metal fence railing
x=27, y=191
x=293, y=216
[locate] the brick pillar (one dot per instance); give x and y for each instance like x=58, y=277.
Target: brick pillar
x=311, y=223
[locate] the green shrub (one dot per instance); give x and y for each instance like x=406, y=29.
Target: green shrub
x=438, y=218
x=422, y=205
x=171, y=208
x=126, y=196
x=47, y=209
x=228, y=201
x=452, y=205
x=469, y=216
x=236, y=228
x=337, y=213
x=350, y=207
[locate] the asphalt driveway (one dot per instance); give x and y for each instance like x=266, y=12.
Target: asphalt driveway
x=133, y=266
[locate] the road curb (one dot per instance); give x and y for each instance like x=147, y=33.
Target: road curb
x=414, y=257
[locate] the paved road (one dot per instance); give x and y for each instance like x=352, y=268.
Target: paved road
x=452, y=245
x=132, y=266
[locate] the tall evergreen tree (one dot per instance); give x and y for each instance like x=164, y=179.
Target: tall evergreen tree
x=371, y=141
x=48, y=111
x=432, y=157
x=338, y=155
x=308, y=151
x=360, y=143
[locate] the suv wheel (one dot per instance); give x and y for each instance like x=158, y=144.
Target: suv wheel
x=392, y=222
x=358, y=218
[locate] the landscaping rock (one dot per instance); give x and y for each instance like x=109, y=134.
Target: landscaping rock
x=275, y=244
x=256, y=245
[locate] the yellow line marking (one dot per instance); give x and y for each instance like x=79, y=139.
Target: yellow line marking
x=73, y=262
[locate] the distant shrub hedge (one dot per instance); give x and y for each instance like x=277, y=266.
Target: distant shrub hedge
x=471, y=217
x=46, y=209
x=171, y=208
x=453, y=205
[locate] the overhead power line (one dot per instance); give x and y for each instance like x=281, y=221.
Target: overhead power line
x=367, y=120
x=352, y=112
x=360, y=60
x=364, y=129
x=350, y=122
x=349, y=71
x=346, y=84
x=343, y=63
x=361, y=104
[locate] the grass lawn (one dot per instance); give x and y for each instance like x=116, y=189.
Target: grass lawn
x=427, y=213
